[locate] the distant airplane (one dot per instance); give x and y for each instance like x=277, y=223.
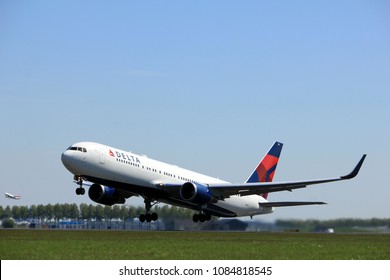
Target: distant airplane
x=117, y=175
x=11, y=196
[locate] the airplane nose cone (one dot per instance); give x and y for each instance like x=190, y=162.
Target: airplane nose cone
x=67, y=159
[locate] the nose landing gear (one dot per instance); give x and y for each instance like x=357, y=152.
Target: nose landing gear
x=79, y=181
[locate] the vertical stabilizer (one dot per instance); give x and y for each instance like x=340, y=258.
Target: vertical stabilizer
x=265, y=171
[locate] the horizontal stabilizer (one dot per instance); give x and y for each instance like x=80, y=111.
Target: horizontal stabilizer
x=289, y=203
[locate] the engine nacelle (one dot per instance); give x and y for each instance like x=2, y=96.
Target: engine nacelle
x=105, y=195
x=196, y=193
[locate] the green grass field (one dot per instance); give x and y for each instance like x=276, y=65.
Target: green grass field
x=156, y=245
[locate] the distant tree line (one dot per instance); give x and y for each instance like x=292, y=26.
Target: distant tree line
x=59, y=212
x=87, y=212
x=335, y=223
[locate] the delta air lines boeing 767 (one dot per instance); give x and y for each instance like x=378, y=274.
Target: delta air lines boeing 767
x=114, y=175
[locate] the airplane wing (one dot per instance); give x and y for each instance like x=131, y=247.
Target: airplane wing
x=222, y=191
x=289, y=203
x=225, y=190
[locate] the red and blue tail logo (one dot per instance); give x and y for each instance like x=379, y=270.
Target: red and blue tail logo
x=265, y=171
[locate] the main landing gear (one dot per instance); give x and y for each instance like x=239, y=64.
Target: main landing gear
x=201, y=217
x=148, y=216
x=79, y=181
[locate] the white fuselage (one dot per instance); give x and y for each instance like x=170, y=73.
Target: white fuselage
x=114, y=165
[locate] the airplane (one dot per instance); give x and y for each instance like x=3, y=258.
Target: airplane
x=11, y=196
x=115, y=175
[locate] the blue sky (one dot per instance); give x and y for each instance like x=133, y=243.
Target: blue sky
x=206, y=85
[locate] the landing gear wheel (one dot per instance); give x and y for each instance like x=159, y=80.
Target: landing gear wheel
x=195, y=218
x=80, y=191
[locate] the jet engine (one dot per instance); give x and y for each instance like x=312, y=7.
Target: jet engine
x=105, y=195
x=195, y=192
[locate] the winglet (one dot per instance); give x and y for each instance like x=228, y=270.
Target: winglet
x=355, y=171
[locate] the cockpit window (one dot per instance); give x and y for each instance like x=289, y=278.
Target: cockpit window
x=80, y=149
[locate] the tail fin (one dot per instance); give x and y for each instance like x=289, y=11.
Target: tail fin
x=265, y=171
